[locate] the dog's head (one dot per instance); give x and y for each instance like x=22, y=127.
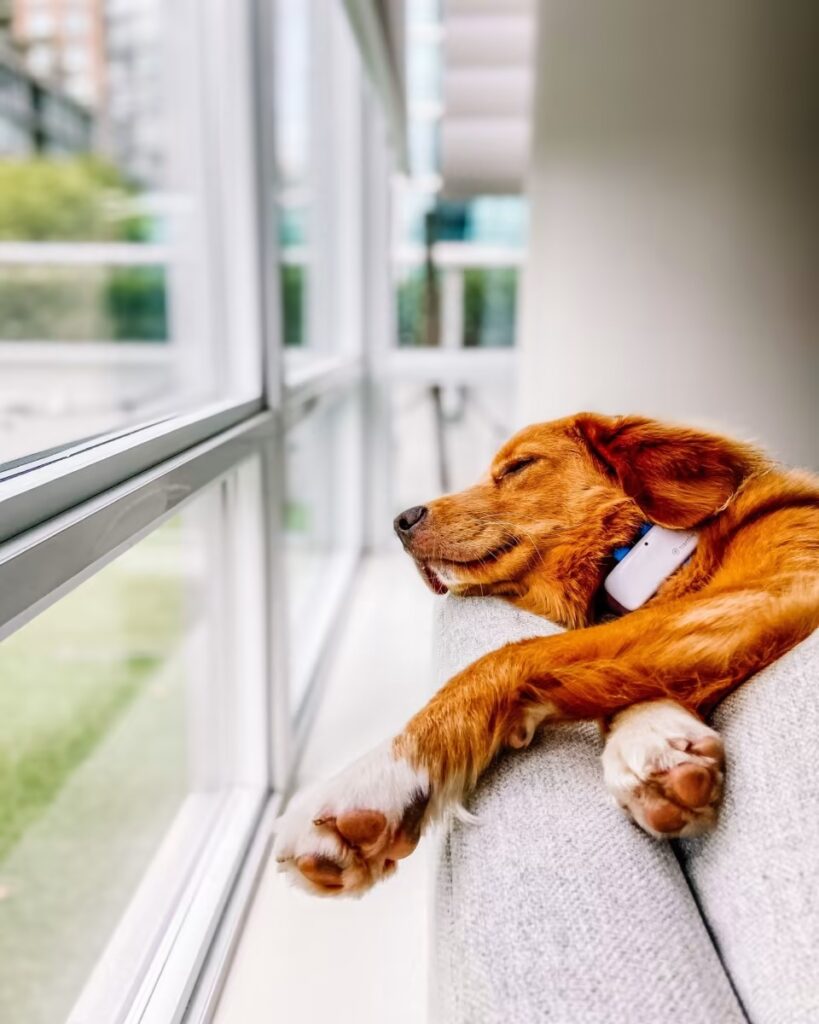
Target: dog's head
x=576, y=485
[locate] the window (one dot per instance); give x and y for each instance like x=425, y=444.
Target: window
x=320, y=105
x=319, y=99
x=456, y=258
x=129, y=723
x=293, y=86
x=111, y=247
x=181, y=504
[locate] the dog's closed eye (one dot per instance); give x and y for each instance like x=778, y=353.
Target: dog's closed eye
x=516, y=467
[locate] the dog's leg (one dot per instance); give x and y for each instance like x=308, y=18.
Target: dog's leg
x=664, y=766
x=348, y=833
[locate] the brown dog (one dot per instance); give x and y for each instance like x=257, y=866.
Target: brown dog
x=539, y=530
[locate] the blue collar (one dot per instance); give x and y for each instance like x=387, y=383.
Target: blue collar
x=620, y=553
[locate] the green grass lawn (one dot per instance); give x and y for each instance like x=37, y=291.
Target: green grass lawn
x=67, y=675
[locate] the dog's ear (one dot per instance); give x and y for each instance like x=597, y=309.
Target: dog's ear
x=676, y=475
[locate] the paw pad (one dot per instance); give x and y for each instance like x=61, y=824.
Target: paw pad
x=342, y=837
x=665, y=768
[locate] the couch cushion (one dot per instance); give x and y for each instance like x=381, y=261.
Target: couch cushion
x=757, y=876
x=555, y=908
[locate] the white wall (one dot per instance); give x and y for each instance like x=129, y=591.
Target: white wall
x=674, y=242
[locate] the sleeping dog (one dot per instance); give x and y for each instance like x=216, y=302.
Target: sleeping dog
x=542, y=530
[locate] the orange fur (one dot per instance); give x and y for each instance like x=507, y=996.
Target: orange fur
x=539, y=531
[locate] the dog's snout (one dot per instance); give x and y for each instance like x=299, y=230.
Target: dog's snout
x=406, y=522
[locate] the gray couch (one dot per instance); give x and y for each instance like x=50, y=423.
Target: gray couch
x=555, y=908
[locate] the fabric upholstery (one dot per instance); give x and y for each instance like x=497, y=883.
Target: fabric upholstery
x=555, y=908
x=757, y=876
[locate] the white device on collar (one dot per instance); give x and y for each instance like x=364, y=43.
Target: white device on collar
x=656, y=556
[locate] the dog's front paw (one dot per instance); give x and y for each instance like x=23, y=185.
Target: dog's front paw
x=665, y=768
x=338, y=838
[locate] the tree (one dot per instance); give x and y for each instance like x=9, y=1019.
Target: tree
x=48, y=199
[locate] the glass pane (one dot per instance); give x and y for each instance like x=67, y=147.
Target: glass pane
x=117, y=730
x=106, y=311
x=322, y=526
x=444, y=438
x=490, y=303
x=293, y=98
x=417, y=307
x=487, y=307
x=458, y=257
x=318, y=83
x=78, y=303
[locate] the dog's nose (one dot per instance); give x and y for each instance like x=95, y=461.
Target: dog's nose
x=409, y=519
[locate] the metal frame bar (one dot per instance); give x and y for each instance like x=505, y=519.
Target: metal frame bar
x=211, y=981
x=33, y=492
x=170, y=982
x=384, y=65
x=269, y=254
x=39, y=566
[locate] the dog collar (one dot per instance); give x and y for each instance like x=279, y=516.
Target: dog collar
x=620, y=553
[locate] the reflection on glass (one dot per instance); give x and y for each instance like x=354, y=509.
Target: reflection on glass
x=109, y=728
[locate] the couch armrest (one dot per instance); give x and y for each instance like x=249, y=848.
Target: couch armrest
x=555, y=908
x=756, y=877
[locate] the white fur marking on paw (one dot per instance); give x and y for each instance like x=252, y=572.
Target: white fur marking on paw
x=648, y=740
x=380, y=782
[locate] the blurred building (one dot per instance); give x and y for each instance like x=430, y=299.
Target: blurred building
x=102, y=54
x=36, y=117
x=62, y=43
x=135, y=80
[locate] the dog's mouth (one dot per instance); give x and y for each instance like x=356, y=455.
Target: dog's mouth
x=443, y=575
x=432, y=579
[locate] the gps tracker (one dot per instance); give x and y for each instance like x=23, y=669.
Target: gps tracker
x=656, y=556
